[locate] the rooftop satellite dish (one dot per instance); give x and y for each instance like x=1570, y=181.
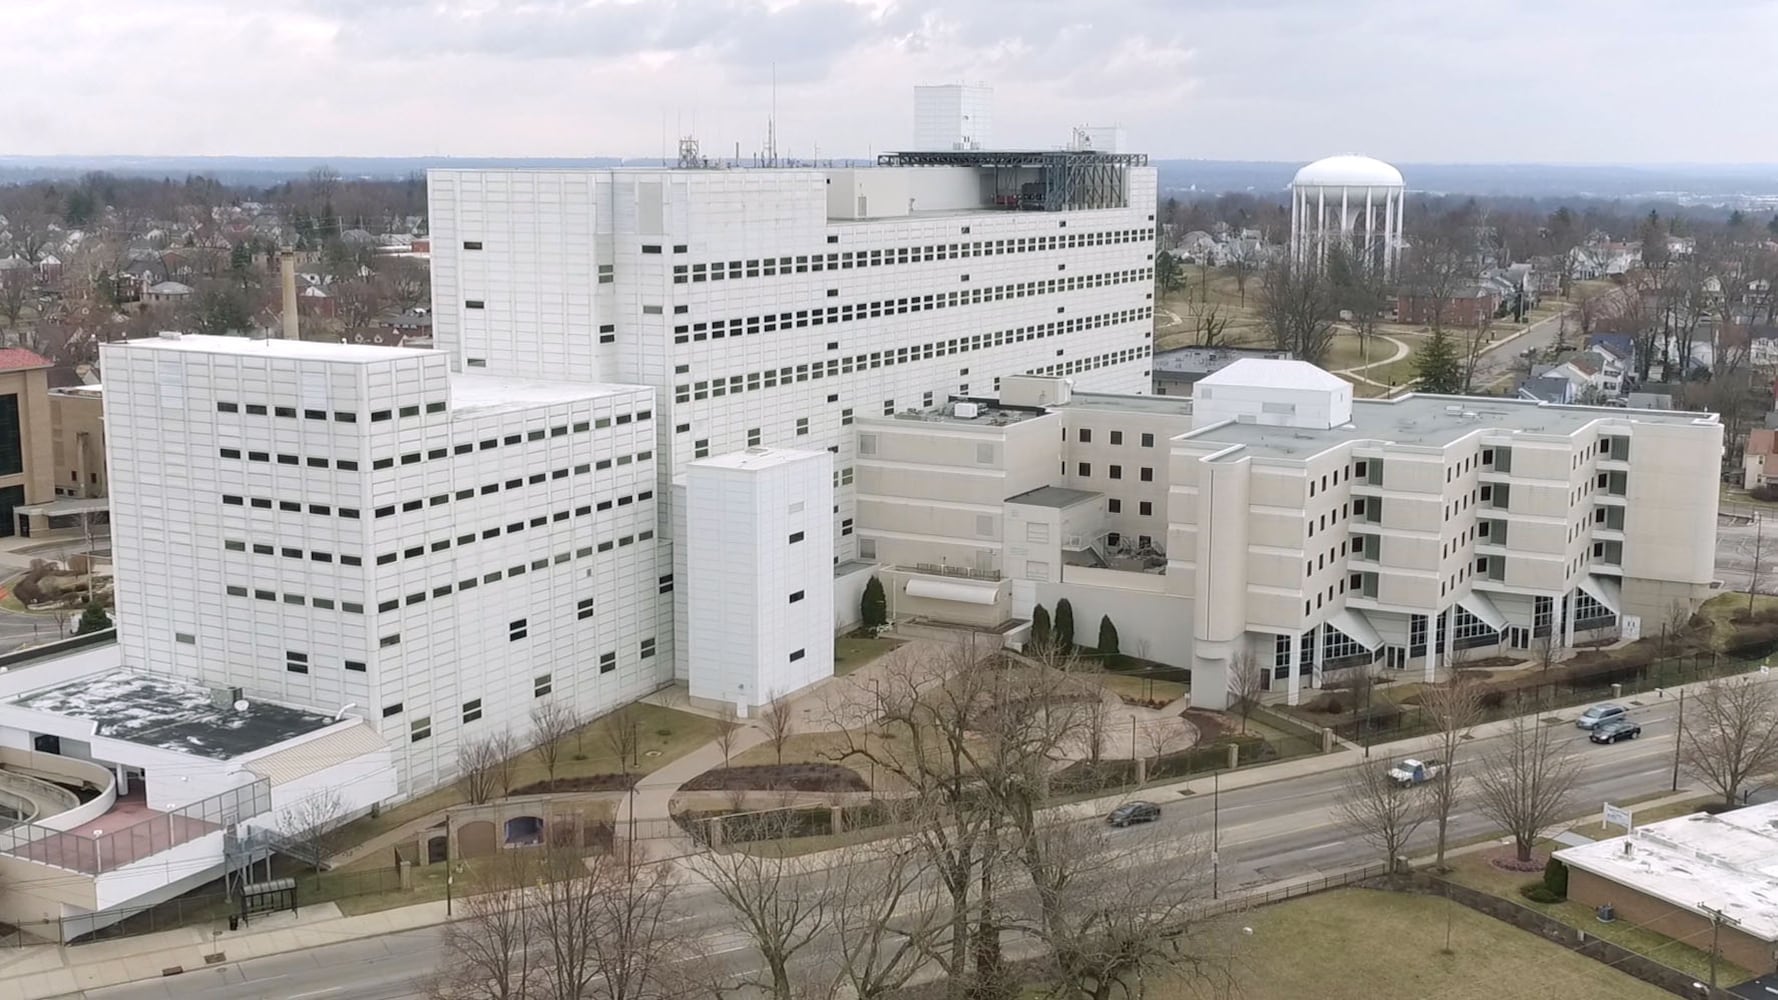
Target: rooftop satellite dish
x=241, y=706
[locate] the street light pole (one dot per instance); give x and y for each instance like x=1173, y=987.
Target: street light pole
x=1215, y=834
x=447, y=826
x=1717, y=919
x=1678, y=738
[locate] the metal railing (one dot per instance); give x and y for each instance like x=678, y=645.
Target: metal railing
x=103, y=850
x=958, y=571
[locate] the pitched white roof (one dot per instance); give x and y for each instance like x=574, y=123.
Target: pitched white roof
x=1275, y=373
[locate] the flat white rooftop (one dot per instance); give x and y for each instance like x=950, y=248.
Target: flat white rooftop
x=755, y=459
x=1414, y=420
x=493, y=393
x=1275, y=373
x=1727, y=862
x=309, y=350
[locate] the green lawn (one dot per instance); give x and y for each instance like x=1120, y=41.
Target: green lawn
x=1361, y=944
x=852, y=651
x=1474, y=871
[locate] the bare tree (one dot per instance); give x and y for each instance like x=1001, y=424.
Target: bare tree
x=1545, y=652
x=1381, y=812
x=1455, y=707
x=505, y=750
x=15, y=291
x=487, y=951
x=313, y=823
x=636, y=946
x=565, y=908
x=778, y=719
x=728, y=731
x=478, y=769
x=623, y=737
x=1114, y=911
x=1247, y=682
x=1241, y=264
x=1526, y=782
x=778, y=907
x=551, y=724
x=1729, y=738
x=1435, y=270
x=885, y=917
x=1297, y=306
x=1213, y=325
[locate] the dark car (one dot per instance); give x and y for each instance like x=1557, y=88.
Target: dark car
x=1614, y=730
x=1134, y=812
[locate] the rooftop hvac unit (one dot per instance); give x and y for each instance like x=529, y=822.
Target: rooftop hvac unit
x=967, y=411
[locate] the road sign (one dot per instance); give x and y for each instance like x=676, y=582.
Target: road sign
x=1617, y=815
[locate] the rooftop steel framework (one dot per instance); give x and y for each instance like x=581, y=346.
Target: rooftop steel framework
x=1071, y=179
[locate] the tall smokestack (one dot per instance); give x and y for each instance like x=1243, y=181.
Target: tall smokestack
x=287, y=276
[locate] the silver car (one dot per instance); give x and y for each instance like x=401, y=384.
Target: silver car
x=1600, y=714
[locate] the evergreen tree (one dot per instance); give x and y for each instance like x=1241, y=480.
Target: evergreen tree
x=1107, y=637
x=1438, y=366
x=93, y=619
x=873, y=607
x=1040, y=629
x=1064, y=626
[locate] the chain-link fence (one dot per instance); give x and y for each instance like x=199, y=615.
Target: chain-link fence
x=1563, y=687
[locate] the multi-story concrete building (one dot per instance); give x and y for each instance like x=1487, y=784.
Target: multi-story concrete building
x=760, y=580
x=777, y=307
x=1280, y=525
x=77, y=419
x=360, y=529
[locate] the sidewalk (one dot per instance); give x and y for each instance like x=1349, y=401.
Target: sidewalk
x=47, y=971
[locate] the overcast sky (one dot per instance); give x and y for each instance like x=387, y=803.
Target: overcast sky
x=1409, y=80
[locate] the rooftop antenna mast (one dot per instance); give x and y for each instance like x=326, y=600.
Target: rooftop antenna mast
x=772, y=123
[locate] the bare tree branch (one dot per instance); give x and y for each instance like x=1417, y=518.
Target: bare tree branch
x=1381, y=812
x=552, y=723
x=1525, y=783
x=1729, y=737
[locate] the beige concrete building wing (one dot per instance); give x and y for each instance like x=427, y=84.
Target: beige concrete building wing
x=1274, y=521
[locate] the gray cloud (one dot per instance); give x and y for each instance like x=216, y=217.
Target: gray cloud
x=1622, y=80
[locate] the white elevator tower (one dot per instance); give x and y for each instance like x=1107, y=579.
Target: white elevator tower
x=1349, y=201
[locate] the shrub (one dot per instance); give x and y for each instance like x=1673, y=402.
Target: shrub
x=1064, y=626
x=1764, y=493
x=873, y=607
x=1493, y=698
x=1555, y=878
x=1040, y=628
x=93, y=619
x=1537, y=892
x=1107, y=636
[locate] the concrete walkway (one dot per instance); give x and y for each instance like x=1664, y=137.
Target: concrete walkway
x=650, y=810
x=44, y=971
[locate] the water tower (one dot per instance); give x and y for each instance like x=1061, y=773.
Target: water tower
x=1349, y=201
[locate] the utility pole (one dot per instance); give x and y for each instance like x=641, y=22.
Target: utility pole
x=1678, y=738
x=1759, y=524
x=1717, y=919
x=1215, y=834
x=447, y=825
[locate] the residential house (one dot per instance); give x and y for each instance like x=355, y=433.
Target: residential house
x=1470, y=305
x=1619, y=348
x=166, y=293
x=1759, y=460
x=1595, y=377
x=1547, y=389
x=1762, y=345
x=1546, y=276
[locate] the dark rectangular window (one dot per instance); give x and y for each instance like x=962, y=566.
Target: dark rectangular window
x=796, y=655
x=389, y=710
x=796, y=597
x=515, y=630
x=356, y=666
x=472, y=244
x=541, y=685
x=796, y=536
x=472, y=710
x=607, y=662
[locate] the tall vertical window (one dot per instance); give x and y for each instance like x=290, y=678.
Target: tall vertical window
x=12, y=461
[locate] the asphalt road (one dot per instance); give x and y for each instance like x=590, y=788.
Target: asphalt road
x=1264, y=833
